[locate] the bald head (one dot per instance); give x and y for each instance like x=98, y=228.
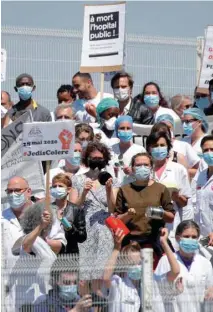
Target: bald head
x=6, y=100
x=17, y=182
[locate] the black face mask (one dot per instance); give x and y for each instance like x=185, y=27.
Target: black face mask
x=96, y=163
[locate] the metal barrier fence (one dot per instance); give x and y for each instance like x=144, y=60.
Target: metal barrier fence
x=32, y=285
x=52, y=56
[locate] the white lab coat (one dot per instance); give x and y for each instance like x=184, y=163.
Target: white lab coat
x=195, y=282
x=195, y=146
x=175, y=173
x=12, y=231
x=203, y=199
x=187, y=150
x=124, y=297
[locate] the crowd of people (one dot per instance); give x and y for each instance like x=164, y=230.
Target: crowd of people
x=161, y=193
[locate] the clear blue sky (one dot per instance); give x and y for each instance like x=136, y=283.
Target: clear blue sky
x=169, y=18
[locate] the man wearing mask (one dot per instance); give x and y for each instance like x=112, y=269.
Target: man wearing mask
x=6, y=100
x=25, y=87
x=209, y=110
x=122, y=85
x=89, y=97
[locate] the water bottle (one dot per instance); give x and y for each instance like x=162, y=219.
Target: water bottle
x=67, y=225
x=154, y=213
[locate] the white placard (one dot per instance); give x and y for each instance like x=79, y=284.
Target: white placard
x=48, y=140
x=207, y=63
x=103, y=37
x=3, y=64
x=12, y=164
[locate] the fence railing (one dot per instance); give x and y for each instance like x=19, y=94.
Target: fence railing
x=53, y=56
x=32, y=284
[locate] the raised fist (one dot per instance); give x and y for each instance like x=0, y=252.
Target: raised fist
x=66, y=138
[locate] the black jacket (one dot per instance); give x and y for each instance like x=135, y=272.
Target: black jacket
x=78, y=233
x=140, y=113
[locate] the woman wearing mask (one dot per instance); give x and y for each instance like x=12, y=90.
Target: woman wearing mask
x=202, y=100
x=182, y=152
x=72, y=219
x=125, y=288
x=195, y=270
x=181, y=102
x=107, y=113
x=171, y=174
x=96, y=200
x=133, y=199
x=84, y=133
x=203, y=200
x=69, y=165
x=126, y=149
x=195, y=126
x=153, y=99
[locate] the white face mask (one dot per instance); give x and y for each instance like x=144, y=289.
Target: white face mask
x=110, y=124
x=121, y=94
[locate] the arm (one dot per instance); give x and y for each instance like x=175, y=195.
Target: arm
x=54, y=244
x=31, y=237
x=79, y=200
x=169, y=212
x=111, y=195
x=175, y=267
x=180, y=200
x=110, y=266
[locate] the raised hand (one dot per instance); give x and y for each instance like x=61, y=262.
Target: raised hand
x=66, y=138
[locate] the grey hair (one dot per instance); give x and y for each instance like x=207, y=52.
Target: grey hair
x=63, y=105
x=178, y=99
x=31, y=217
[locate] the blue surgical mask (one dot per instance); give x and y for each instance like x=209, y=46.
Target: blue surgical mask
x=25, y=92
x=68, y=292
x=159, y=153
x=188, y=129
x=16, y=201
x=58, y=192
x=142, y=173
x=151, y=100
x=125, y=136
x=134, y=272
x=75, y=160
x=84, y=144
x=202, y=102
x=188, y=245
x=208, y=157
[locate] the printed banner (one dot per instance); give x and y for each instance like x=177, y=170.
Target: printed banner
x=3, y=64
x=12, y=164
x=10, y=134
x=206, y=73
x=103, y=38
x=48, y=140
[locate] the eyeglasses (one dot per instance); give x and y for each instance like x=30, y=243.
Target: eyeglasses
x=189, y=121
x=16, y=191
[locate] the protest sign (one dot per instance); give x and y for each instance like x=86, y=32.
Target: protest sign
x=206, y=73
x=10, y=134
x=48, y=140
x=12, y=164
x=103, y=38
x=3, y=64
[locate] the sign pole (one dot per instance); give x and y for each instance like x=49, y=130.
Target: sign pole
x=47, y=200
x=102, y=85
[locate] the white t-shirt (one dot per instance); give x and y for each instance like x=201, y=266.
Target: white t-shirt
x=195, y=281
x=80, y=111
x=187, y=150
